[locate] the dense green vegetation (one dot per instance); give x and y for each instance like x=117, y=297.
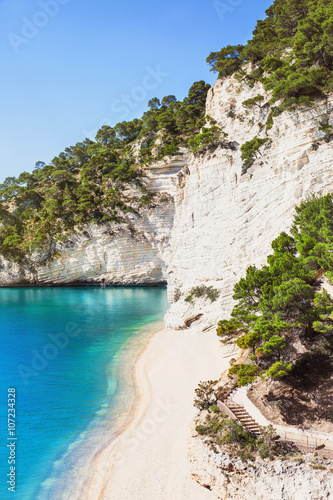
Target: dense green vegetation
x=222, y=431
x=177, y=121
x=280, y=302
x=291, y=51
x=207, y=140
x=86, y=183
x=245, y=373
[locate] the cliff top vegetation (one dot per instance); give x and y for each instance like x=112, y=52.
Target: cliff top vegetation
x=86, y=183
x=291, y=52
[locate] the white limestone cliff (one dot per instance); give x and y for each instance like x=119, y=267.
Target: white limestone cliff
x=209, y=222
x=226, y=221
x=228, y=477
x=133, y=252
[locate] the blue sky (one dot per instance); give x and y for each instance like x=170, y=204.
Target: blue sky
x=70, y=66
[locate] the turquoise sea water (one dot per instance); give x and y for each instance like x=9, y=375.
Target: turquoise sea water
x=60, y=349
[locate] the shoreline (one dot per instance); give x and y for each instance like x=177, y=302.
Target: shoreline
x=126, y=420
x=147, y=456
x=82, y=284
x=102, y=432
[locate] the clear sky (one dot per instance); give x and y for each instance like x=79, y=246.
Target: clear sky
x=71, y=66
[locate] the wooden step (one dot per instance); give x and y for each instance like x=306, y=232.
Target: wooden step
x=242, y=413
x=246, y=418
x=243, y=416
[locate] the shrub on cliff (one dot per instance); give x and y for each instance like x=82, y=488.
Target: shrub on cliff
x=177, y=295
x=230, y=328
x=248, y=341
x=245, y=373
x=205, y=395
x=202, y=291
x=279, y=369
x=249, y=151
x=249, y=103
x=274, y=346
x=207, y=140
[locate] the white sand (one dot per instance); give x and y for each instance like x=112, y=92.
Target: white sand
x=148, y=461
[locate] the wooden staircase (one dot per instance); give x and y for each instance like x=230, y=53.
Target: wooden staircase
x=235, y=410
x=242, y=416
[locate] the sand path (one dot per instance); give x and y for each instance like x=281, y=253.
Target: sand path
x=149, y=460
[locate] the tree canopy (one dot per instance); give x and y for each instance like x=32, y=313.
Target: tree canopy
x=87, y=182
x=291, y=50
x=281, y=301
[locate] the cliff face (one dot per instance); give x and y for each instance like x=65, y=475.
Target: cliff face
x=226, y=221
x=229, y=477
x=214, y=221
x=132, y=252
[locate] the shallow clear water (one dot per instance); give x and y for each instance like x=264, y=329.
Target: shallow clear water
x=59, y=350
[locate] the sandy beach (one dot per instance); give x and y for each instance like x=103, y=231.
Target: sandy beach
x=148, y=460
